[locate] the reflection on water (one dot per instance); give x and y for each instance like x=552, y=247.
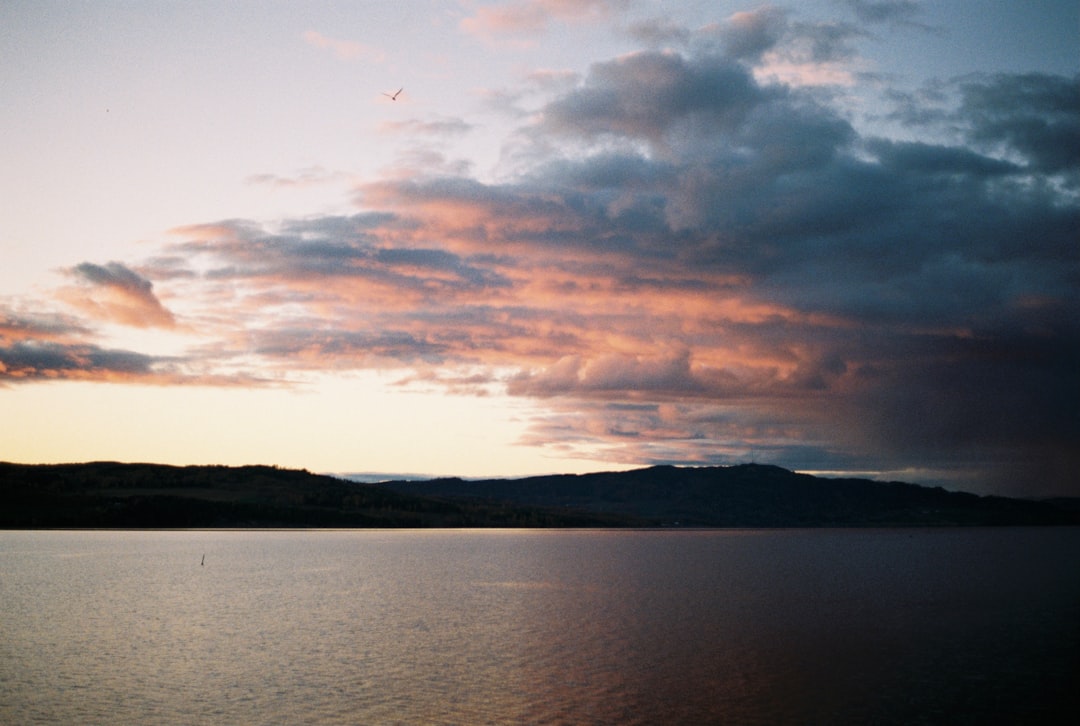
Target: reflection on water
x=544, y=627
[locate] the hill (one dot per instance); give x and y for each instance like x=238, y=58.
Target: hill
x=749, y=495
x=115, y=495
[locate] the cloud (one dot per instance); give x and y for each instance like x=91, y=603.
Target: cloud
x=889, y=12
x=53, y=347
x=748, y=35
x=1035, y=115
x=692, y=264
x=655, y=97
x=15, y=327
x=529, y=17
x=439, y=127
x=28, y=362
x=24, y=361
x=852, y=281
x=115, y=293
x=768, y=40
x=658, y=32
x=934, y=159
x=610, y=373
x=345, y=50
x=311, y=176
x=1031, y=119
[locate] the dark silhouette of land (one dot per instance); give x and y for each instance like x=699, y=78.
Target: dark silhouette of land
x=115, y=495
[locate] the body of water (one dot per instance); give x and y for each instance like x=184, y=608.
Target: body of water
x=927, y=626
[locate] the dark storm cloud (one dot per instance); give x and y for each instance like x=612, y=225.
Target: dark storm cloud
x=1032, y=118
x=1003, y=403
x=931, y=159
x=943, y=259
x=1036, y=115
x=795, y=202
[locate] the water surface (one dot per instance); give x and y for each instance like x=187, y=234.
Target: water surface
x=540, y=626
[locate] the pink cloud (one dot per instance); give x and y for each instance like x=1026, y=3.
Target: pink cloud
x=527, y=17
x=115, y=293
x=344, y=49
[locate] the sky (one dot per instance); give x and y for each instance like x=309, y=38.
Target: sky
x=588, y=235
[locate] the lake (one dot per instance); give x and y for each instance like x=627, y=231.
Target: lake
x=823, y=626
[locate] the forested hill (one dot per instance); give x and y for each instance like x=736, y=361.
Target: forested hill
x=114, y=495
x=749, y=495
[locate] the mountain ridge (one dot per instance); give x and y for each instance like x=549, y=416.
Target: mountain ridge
x=747, y=495
x=133, y=495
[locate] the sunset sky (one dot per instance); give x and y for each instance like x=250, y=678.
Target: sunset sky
x=835, y=236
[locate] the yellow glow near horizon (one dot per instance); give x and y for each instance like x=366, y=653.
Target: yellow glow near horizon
x=352, y=424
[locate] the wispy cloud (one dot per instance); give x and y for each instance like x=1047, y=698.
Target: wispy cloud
x=888, y=12
x=311, y=176
x=346, y=50
x=441, y=127
x=528, y=17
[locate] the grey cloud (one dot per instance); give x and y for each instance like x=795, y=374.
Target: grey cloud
x=937, y=159
x=114, y=274
x=50, y=346
x=338, y=225
x=330, y=347
x=1035, y=114
x=658, y=32
x=335, y=248
x=16, y=326
x=924, y=108
x=824, y=42
x=134, y=302
x=884, y=11
x=748, y=35
x=441, y=127
x=779, y=190
x=35, y=360
x=650, y=96
x=915, y=244
x=1031, y=118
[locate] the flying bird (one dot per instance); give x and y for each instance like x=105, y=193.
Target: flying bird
x=395, y=94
